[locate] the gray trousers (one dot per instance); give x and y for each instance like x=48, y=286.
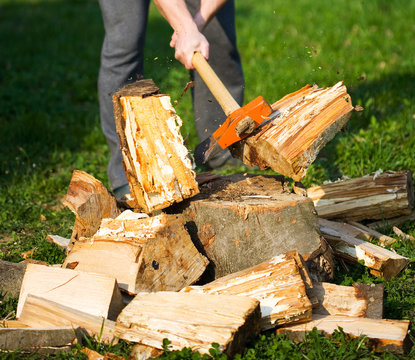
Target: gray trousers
x=125, y=24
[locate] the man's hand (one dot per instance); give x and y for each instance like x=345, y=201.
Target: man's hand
x=187, y=37
x=198, y=43
x=186, y=43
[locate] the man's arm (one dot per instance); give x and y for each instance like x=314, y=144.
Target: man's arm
x=207, y=10
x=187, y=37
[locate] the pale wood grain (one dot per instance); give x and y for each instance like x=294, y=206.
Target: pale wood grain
x=352, y=248
x=95, y=294
x=384, y=334
x=190, y=320
x=301, y=124
x=376, y=196
x=41, y=312
x=149, y=254
x=156, y=160
x=276, y=283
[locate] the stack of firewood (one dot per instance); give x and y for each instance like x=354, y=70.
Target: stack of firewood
x=202, y=260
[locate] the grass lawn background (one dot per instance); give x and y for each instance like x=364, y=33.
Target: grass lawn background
x=49, y=123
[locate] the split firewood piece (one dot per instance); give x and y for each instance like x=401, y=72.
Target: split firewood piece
x=301, y=124
x=39, y=339
x=94, y=355
x=148, y=254
x=263, y=219
x=58, y=241
x=359, y=300
x=190, y=320
x=383, y=334
x=276, y=283
x=302, y=267
x=90, y=201
x=345, y=245
x=376, y=196
x=95, y=294
x=359, y=231
x=144, y=352
x=402, y=235
x=396, y=221
x=13, y=324
x=155, y=158
x=368, y=234
x=40, y=312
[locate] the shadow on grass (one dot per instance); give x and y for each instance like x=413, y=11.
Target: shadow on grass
x=49, y=62
x=382, y=98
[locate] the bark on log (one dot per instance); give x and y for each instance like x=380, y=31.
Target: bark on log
x=11, y=276
x=40, y=312
x=276, y=283
x=154, y=156
x=91, y=202
x=240, y=221
x=94, y=294
x=359, y=300
x=383, y=334
x=369, y=197
x=149, y=254
x=39, y=339
x=345, y=245
x=190, y=320
x=301, y=124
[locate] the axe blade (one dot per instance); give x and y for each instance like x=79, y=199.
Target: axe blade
x=207, y=149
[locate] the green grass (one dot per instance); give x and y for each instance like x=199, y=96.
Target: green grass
x=49, y=123
x=270, y=346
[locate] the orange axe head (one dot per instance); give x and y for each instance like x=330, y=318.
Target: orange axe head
x=238, y=125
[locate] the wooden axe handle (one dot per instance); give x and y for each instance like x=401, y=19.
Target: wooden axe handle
x=219, y=91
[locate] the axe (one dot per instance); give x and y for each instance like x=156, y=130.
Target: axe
x=240, y=121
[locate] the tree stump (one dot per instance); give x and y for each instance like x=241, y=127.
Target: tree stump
x=240, y=221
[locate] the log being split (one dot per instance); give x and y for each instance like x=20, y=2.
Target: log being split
x=155, y=159
x=190, y=320
x=383, y=334
x=276, y=283
x=380, y=260
x=91, y=202
x=241, y=221
x=91, y=293
x=149, y=254
x=359, y=300
x=376, y=196
x=301, y=124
